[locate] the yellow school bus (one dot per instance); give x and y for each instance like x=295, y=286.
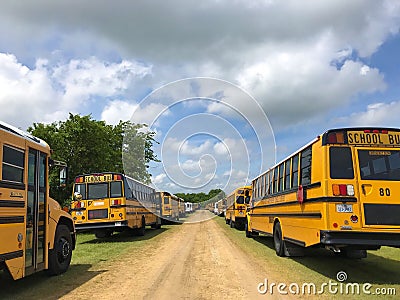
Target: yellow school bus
x=169, y=206
x=341, y=191
x=236, y=207
x=110, y=202
x=35, y=233
x=181, y=207
x=220, y=207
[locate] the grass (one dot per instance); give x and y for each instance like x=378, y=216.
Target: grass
x=87, y=261
x=381, y=268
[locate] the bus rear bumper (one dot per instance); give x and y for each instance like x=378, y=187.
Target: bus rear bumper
x=356, y=238
x=89, y=226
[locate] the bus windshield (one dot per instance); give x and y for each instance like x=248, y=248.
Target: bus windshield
x=97, y=190
x=240, y=199
x=379, y=165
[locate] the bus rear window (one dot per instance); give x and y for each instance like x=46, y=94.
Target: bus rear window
x=379, y=165
x=341, y=163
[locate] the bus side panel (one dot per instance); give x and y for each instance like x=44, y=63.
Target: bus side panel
x=260, y=223
x=10, y=252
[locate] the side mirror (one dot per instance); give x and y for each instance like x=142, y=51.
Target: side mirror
x=77, y=196
x=63, y=176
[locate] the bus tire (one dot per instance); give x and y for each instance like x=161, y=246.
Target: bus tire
x=278, y=240
x=60, y=256
x=231, y=223
x=141, y=231
x=102, y=233
x=249, y=234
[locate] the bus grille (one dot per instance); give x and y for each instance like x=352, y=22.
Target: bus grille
x=97, y=214
x=382, y=214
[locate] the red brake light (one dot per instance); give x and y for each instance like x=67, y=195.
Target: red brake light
x=117, y=177
x=336, y=138
x=367, y=131
x=384, y=131
x=375, y=131
x=343, y=189
x=332, y=138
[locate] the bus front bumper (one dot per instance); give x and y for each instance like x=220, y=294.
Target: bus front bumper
x=357, y=238
x=88, y=226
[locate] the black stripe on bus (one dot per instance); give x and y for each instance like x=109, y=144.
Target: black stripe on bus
x=139, y=212
x=317, y=215
x=136, y=206
x=10, y=220
x=12, y=203
x=294, y=241
x=11, y=255
x=12, y=185
x=312, y=200
x=78, y=209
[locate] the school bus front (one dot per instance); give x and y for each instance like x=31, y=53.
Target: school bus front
x=35, y=234
x=108, y=202
x=101, y=202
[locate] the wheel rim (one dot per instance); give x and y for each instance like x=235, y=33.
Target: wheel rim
x=63, y=250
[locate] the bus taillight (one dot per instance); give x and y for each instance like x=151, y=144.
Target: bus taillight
x=336, y=138
x=116, y=202
x=78, y=179
x=79, y=204
x=117, y=177
x=343, y=189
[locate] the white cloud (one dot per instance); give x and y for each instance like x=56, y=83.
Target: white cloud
x=158, y=179
x=117, y=110
x=48, y=93
x=376, y=114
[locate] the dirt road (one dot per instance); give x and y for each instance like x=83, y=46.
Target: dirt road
x=196, y=261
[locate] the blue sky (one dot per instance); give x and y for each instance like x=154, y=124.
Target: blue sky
x=309, y=65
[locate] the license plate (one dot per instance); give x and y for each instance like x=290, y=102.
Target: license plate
x=344, y=208
x=118, y=224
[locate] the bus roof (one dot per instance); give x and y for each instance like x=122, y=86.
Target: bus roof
x=27, y=136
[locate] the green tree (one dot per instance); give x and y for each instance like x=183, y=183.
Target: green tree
x=137, y=150
x=212, y=196
x=88, y=146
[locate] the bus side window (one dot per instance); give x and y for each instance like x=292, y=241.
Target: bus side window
x=305, y=166
x=287, y=174
x=295, y=171
x=281, y=177
x=270, y=182
x=13, y=164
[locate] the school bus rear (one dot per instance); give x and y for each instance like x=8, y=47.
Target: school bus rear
x=364, y=172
